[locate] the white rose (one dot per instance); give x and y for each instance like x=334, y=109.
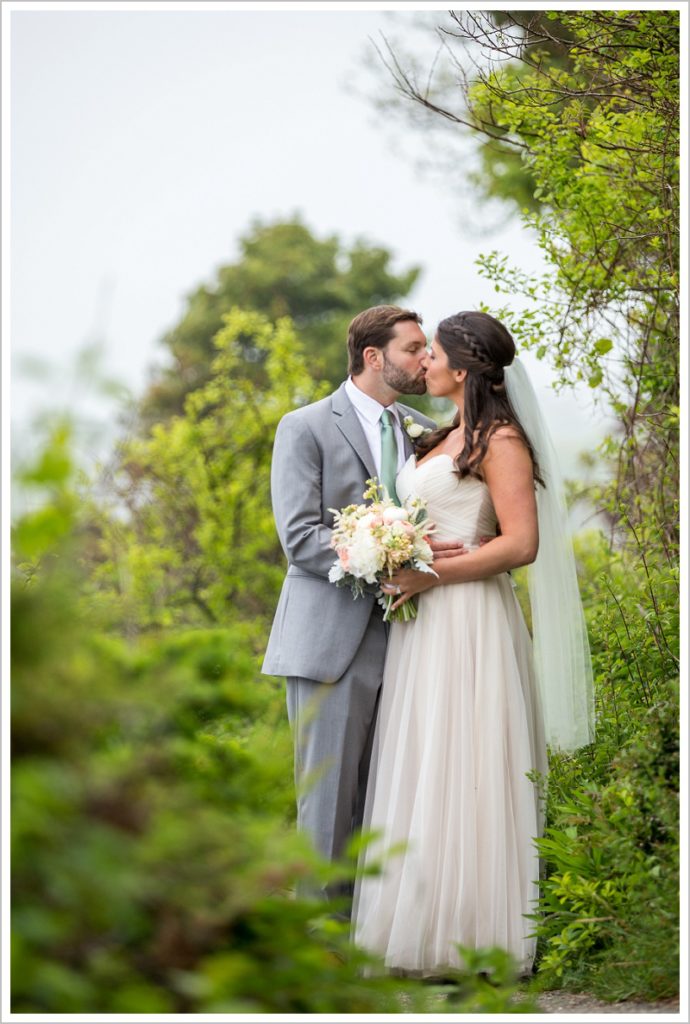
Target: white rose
x=415, y=430
x=395, y=514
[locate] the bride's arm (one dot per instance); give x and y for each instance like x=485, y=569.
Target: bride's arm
x=507, y=470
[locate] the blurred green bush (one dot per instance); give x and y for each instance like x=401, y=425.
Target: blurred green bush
x=609, y=913
x=154, y=856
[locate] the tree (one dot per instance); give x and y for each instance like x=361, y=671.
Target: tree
x=499, y=172
x=589, y=100
x=283, y=270
x=198, y=545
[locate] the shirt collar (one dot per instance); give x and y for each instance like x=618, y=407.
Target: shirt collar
x=366, y=406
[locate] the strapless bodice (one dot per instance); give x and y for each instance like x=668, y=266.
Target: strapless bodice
x=461, y=509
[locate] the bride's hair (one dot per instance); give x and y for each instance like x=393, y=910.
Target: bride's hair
x=480, y=344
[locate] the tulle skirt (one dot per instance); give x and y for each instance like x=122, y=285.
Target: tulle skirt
x=458, y=732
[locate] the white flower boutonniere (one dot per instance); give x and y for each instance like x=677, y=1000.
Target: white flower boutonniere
x=413, y=429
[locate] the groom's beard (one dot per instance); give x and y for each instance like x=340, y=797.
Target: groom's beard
x=401, y=381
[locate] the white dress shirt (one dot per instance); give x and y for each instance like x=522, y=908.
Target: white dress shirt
x=369, y=415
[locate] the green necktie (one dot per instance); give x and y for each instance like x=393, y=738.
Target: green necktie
x=389, y=455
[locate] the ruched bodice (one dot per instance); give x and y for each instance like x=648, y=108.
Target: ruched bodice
x=460, y=509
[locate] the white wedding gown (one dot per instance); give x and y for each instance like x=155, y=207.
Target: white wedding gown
x=458, y=730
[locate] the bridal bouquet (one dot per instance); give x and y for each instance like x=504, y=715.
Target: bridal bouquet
x=373, y=541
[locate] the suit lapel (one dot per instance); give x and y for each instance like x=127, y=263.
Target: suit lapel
x=347, y=422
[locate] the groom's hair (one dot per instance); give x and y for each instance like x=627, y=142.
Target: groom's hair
x=373, y=327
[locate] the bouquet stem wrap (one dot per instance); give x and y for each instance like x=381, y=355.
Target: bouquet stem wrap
x=406, y=611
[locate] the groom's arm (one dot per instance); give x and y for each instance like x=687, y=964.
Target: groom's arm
x=296, y=473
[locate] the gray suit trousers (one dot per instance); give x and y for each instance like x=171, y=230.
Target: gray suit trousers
x=333, y=726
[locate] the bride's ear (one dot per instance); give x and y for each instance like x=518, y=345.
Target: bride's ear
x=460, y=376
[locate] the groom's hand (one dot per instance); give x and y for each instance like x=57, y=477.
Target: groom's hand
x=447, y=548
x=451, y=548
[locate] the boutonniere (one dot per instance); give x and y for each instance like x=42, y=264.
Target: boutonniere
x=413, y=429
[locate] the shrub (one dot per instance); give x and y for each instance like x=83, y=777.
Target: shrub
x=609, y=910
x=154, y=857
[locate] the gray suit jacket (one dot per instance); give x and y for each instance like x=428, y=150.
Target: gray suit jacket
x=321, y=460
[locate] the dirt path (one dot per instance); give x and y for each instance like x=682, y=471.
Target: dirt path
x=581, y=1003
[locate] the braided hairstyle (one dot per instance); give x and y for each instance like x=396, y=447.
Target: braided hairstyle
x=480, y=344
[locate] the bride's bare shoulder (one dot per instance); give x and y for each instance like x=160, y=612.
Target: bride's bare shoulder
x=505, y=446
x=505, y=432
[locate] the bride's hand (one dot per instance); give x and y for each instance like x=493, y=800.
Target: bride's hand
x=409, y=582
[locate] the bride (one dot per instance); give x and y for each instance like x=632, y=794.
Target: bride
x=467, y=706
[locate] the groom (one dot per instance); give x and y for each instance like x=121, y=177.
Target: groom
x=330, y=646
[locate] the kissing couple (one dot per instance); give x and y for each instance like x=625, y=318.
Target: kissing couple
x=430, y=734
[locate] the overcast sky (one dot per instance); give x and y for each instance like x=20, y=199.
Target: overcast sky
x=144, y=143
